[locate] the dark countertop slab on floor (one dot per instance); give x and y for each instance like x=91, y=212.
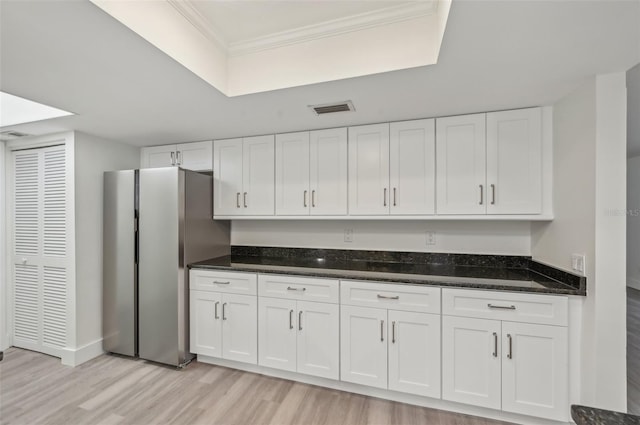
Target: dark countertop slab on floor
x=584, y=415
x=507, y=273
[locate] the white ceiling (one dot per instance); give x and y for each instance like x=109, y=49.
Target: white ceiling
x=495, y=55
x=245, y=20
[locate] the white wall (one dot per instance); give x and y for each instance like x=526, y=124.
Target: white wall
x=633, y=111
x=633, y=222
x=93, y=156
x=4, y=337
x=472, y=237
x=589, y=183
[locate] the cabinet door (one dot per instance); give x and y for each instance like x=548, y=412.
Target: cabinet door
x=414, y=353
x=258, y=196
x=227, y=177
x=240, y=328
x=369, y=169
x=197, y=156
x=292, y=174
x=514, y=162
x=460, y=165
x=328, y=171
x=158, y=156
x=319, y=339
x=534, y=370
x=277, y=328
x=412, y=167
x=471, y=361
x=363, y=342
x=205, y=324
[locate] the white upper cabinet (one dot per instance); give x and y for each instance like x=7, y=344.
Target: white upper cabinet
x=460, y=147
x=369, y=170
x=292, y=174
x=227, y=177
x=258, y=175
x=514, y=162
x=328, y=171
x=412, y=167
x=244, y=176
x=195, y=156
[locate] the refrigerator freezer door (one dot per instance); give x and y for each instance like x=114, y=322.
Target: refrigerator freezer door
x=161, y=224
x=119, y=325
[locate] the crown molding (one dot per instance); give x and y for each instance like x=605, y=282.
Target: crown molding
x=303, y=34
x=199, y=22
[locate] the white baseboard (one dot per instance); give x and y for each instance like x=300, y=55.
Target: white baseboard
x=432, y=403
x=71, y=357
x=633, y=283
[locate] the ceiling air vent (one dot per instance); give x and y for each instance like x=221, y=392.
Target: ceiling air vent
x=7, y=135
x=330, y=108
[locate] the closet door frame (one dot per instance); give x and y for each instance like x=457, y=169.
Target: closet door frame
x=6, y=251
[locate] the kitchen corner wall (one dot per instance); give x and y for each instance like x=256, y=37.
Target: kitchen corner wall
x=472, y=237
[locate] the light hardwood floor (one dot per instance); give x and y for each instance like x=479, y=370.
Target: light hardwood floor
x=37, y=389
x=633, y=351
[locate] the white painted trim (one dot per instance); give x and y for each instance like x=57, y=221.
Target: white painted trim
x=633, y=283
x=75, y=357
x=432, y=403
x=524, y=217
x=376, y=18
x=4, y=334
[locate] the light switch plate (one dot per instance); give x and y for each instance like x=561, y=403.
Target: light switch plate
x=348, y=235
x=578, y=263
x=430, y=237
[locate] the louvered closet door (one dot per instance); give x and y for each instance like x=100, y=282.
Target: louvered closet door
x=40, y=250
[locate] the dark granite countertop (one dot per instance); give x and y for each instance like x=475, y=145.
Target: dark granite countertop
x=584, y=415
x=474, y=274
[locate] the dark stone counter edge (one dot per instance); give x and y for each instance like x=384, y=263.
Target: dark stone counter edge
x=584, y=415
x=562, y=289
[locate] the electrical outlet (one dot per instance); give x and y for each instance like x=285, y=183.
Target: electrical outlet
x=578, y=263
x=430, y=237
x=348, y=235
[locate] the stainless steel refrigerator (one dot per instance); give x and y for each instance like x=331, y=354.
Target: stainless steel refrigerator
x=156, y=221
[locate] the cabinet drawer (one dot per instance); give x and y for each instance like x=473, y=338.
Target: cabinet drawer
x=529, y=308
x=393, y=296
x=298, y=288
x=230, y=282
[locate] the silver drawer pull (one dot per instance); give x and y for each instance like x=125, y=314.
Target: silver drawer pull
x=387, y=297
x=215, y=313
x=495, y=344
x=289, y=288
x=502, y=307
x=221, y=283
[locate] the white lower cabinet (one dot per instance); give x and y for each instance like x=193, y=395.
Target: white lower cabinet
x=224, y=325
x=391, y=349
x=299, y=336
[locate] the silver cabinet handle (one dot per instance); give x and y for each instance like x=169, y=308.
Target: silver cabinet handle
x=215, y=315
x=394, y=197
x=393, y=332
x=493, y=194
x=382, y=330
x=313, y=198
x=237, y=199
x=289, y=288
x=389, y=297
x=244, y=199
x=495, y=344
x=481, y=194
x=219, y=282
x=300, y=320
x=290, y=319
x=304, y=199
x=224, y=311
x=178, y=159
x=510, y=355
x=173, y=159
x=384, y=197
x=502, y=307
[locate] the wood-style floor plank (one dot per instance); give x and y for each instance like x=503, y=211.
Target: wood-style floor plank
x=633, y=351
x=111, y=390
